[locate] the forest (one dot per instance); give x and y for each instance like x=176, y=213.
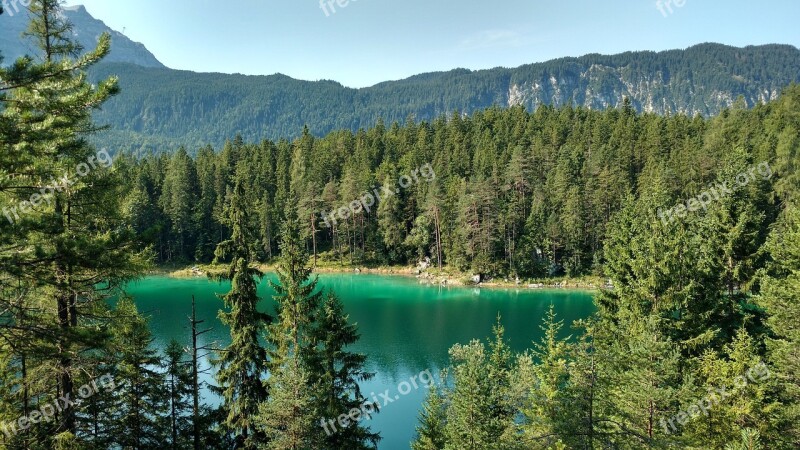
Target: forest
x=162, y=109
x=512, y=193
x=696, y=344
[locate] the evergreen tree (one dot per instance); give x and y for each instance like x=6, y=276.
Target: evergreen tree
x=431, y=431
x=142, y=399
x=336, y=375
x=179, y=202
x=287, y=417
x=180, y=389
x=243, y=364
x=545, y=402
x=69, y=236
x=390, y=222
x=481, y=409
x=779, y=296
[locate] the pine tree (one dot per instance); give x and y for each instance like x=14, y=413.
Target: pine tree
x=336, y=374
x=179, y=386
x=142, y=400
x=72, y=237
x=287, y=417
x=243, y=364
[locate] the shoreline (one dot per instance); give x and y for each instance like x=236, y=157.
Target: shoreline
x=424, y=277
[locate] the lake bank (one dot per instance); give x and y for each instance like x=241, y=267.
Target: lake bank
x=445, y=277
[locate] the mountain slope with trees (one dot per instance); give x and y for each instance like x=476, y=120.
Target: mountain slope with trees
x=161, y=109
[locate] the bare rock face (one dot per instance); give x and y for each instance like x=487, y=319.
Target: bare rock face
x=86, y=30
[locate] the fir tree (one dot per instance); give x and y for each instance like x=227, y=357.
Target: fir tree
x=243, y=364
x=288, y=415
x=180, y=389
x=142, y=397
x=336, y=375
x=431, y=430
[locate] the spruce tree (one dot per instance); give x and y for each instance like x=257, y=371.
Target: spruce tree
x=431, y=430
x=336, y=374
x=545, y=400
x=142, y=400
x=780, y=297
x=179, y=386
x=287, y=417
x=243, y=364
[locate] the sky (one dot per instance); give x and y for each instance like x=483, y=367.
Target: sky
x=369, y=41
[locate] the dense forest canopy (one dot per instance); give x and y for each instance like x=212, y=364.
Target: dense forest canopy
x=510, y=192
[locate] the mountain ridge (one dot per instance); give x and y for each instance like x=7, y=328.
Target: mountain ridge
x=157, y=106
x=162, y=108
x=86, y=29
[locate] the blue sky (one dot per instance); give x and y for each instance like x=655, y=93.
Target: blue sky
x=369, y=41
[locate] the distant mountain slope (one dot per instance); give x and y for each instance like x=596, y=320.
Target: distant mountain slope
x=86, y=28
x=161, y=108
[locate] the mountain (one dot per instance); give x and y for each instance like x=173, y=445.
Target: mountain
x=161, y=108
x=86, y=29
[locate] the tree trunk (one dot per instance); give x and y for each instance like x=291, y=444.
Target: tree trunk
x=195, y=381
x=314, y=238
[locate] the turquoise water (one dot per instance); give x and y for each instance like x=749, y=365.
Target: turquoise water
x=406, y=328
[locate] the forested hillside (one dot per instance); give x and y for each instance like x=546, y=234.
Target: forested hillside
x=510, y=192
x=161, y=109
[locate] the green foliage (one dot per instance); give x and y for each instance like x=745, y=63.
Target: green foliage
x=336, y=374
x=543, y=206
x=162, y=109
x=142, y=398
x=698, y=301
x=781, y=298
x=287, y=417
x=178, y=379
x=478, y=411
x=432, y=423
x=243, y=364
x=70, y=237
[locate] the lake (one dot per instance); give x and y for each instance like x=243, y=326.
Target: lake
x=406, y=328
